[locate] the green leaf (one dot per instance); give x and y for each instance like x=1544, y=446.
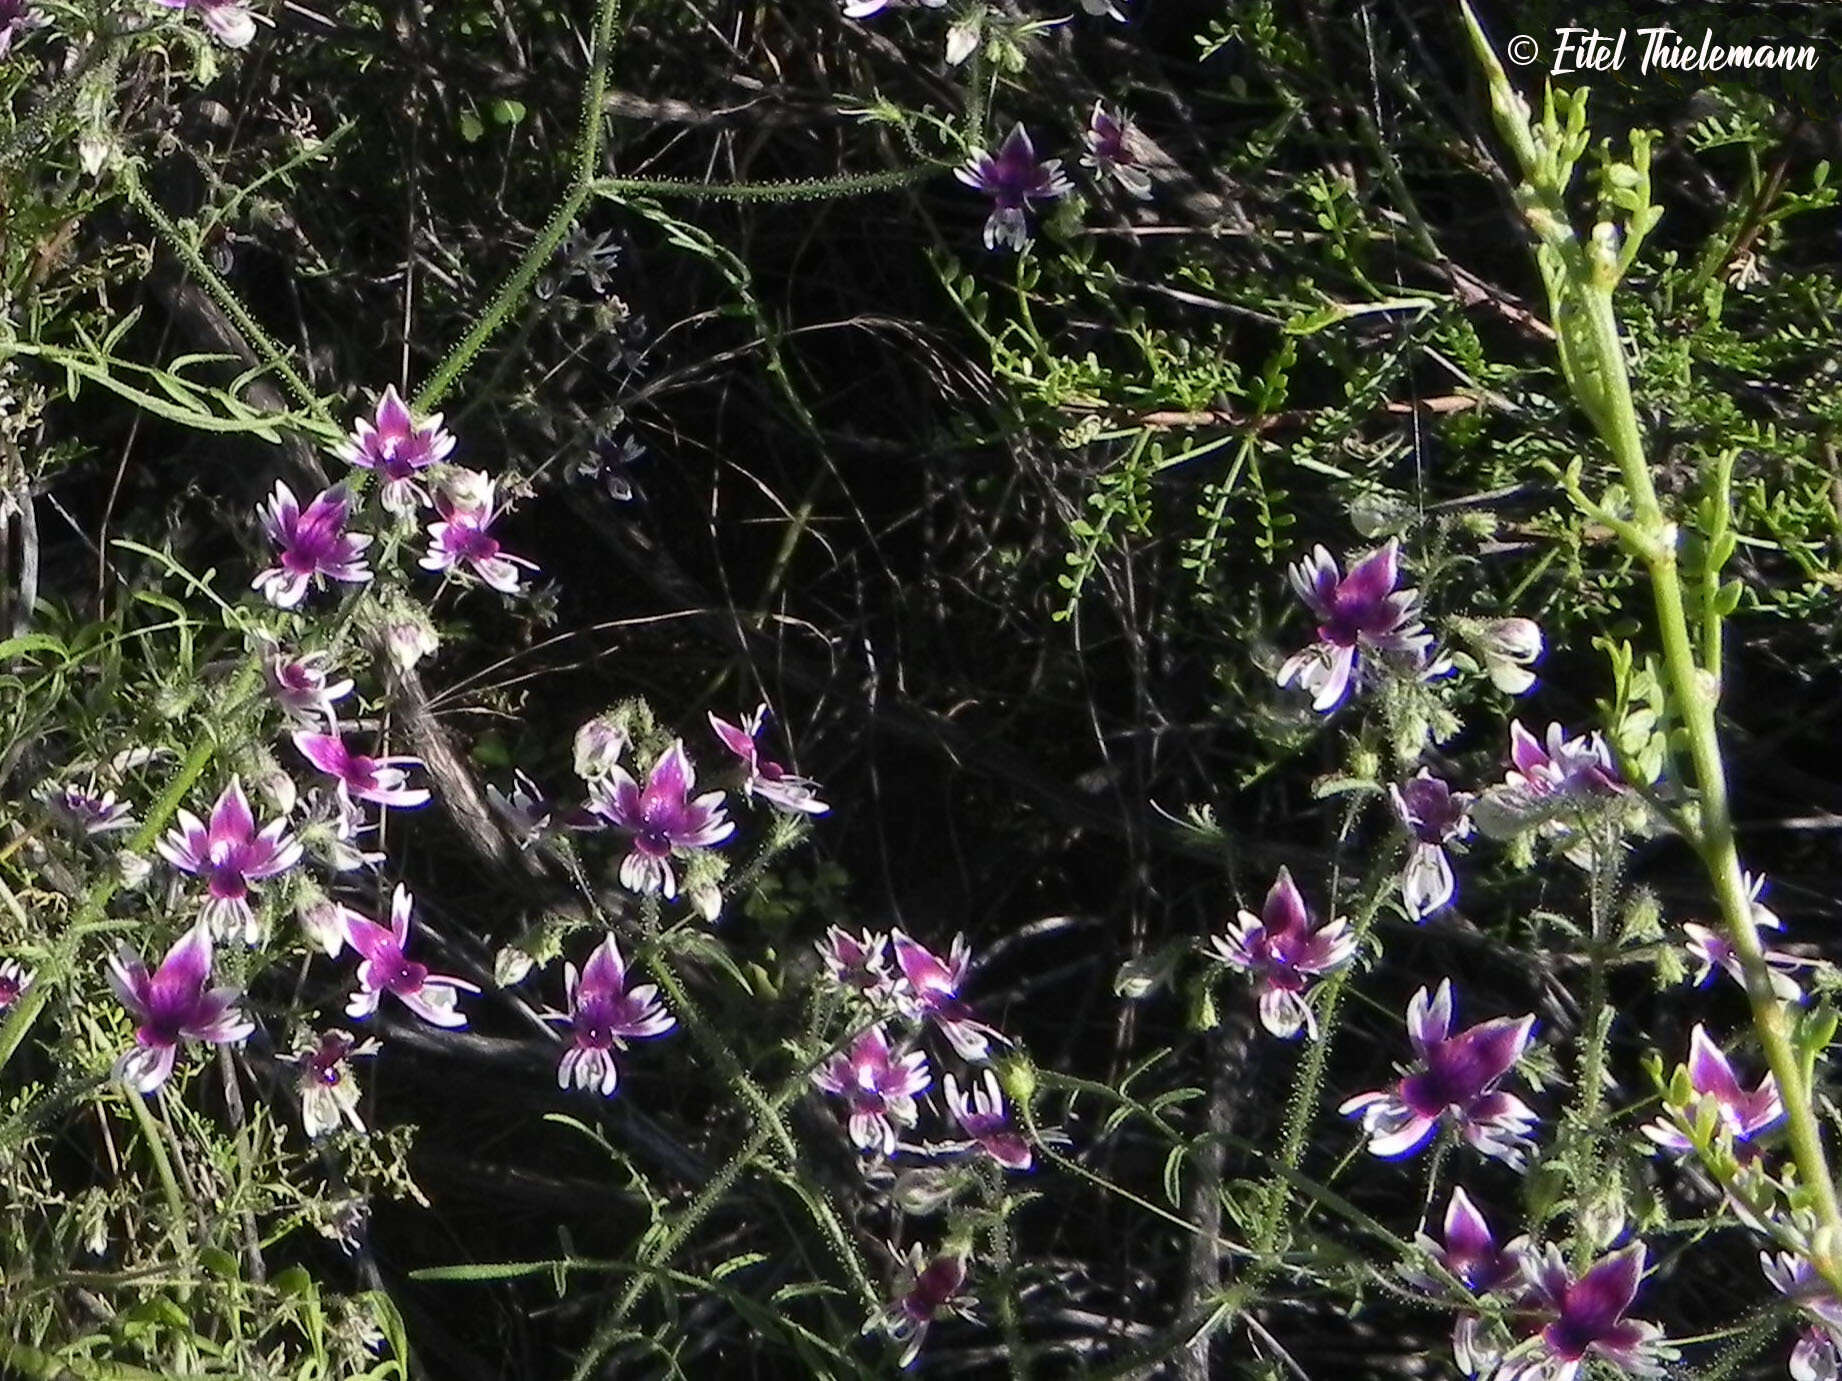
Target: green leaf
x=31, y=642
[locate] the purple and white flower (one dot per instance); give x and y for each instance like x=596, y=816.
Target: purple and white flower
x=981, y=1114
x=397, y=448
x=1109, y=150
x=17, y=19
x=385, y=968
x=763, y=777
x=660, y=819
x=1454, y=1081
x=175, y=1003
x=525, y=810
x=878, y=1087
x=931, y=993
x=1711, y=949
x=1818, y=1353
x=1470, y=1254
x=604, y=1014
x=1435, y=815
x=85, y=810
x=303, y=685
x=1580, y=766
x=359, y=778
x=311, y=545
x=327, y=1086
x=864, y=9
x=461, y=536
x=1742, y=1113
x=229, y=21
x=231, y=854
x=1015, y=179
x=1585, y=1318
x=1285, y=950
x=928, y=1290
x=1360, y=616
x=859, y=963
x=15, y=978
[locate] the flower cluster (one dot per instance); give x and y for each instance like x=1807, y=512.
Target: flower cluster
x=315, y=544
x=1559, y=1321
x=1016, y=179
x=877, y=1081
x=882, y=1074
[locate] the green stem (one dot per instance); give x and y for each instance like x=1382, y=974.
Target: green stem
x=1695, y=694
x=1581, y=284
x=512, y=292
x=163, y=1167
x=273, y=355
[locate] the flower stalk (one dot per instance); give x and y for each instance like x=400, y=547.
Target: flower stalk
x=1581, y=279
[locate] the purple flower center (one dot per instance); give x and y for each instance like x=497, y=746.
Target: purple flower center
x=391, y=969
x=1456, y=1072
x=1108, y=142
x=932, y=1289
x=226, y=863
x=1012, y=176
x=400, y=455
x=312, y=543
x=1355, y=614
x=172, y=1003
x=326, y=1061
x=1434, y=814
x=601, y=1018
x=470, y=541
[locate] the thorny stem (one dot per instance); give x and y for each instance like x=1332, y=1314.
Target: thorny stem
x=767, y=1128
x=766, y=1110
x=163, y=1167
x=512, y=292
x=1304, y=1109
x=1594, y=363
x=228, y=300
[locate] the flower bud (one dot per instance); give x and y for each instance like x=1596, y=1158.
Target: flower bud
x=93, y=152
x=1509, y=646
x=511, y=966
x=920, y=1192
x=131, y=869
x=323, y=922
x=467, y=489
x=275, y=786
x=408, y=640
x=962, y=39
x=599, y=745
x=707, y=899
x=1018, y=1076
